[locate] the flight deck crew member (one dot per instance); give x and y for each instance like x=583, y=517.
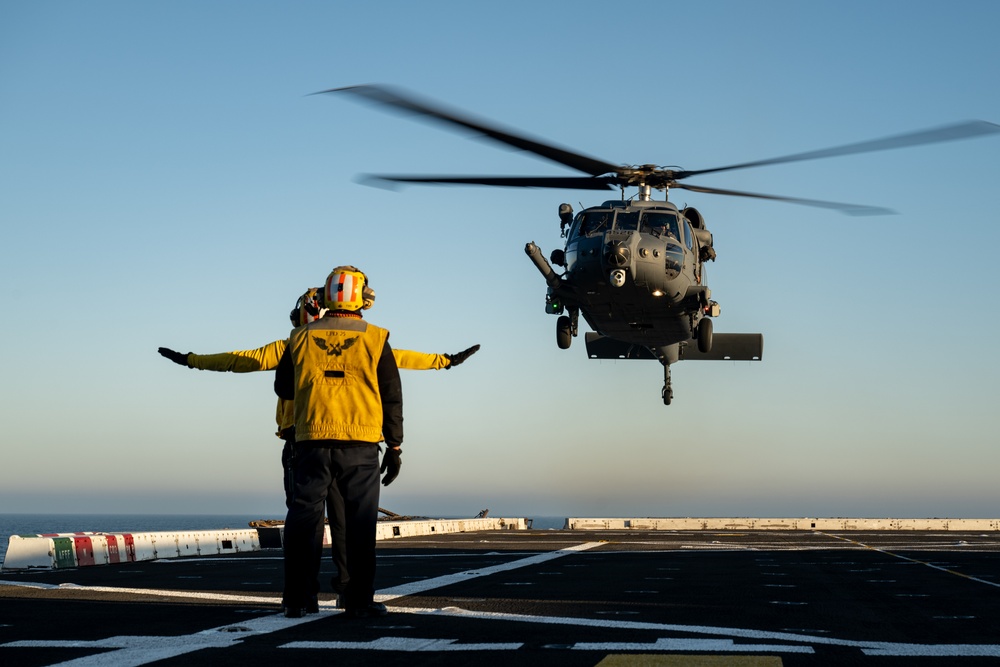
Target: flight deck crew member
x=343, y=378
x=308, y=308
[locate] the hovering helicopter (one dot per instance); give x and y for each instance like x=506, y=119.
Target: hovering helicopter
x=635, y=268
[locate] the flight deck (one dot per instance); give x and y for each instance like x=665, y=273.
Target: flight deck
x=761, y=596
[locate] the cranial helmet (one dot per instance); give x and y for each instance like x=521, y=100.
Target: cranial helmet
x=345, y=290
x=308, y=308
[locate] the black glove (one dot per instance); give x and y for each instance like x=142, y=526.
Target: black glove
x=176, y=357
x=391, y=463
x=459, y=357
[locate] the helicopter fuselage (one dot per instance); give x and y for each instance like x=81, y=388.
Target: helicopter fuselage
x=635, y=273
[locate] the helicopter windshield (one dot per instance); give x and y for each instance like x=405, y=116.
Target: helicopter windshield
x=595, y=222
x=627, y=221
x=661, y=224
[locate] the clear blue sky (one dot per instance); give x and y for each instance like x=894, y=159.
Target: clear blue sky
x=166, y=180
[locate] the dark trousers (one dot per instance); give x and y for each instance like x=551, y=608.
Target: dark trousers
x=347, y=478
x=334, y=512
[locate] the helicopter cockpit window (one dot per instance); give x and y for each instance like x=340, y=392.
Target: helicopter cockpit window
x=627, y=221
x=673, y=260
x=688, y=240
x=661, y=224
x=595, y=222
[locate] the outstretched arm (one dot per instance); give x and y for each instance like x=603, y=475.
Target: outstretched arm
x=425, y=361
x=240, y=361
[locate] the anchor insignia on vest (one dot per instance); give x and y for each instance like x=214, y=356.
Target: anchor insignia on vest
x=336, y=349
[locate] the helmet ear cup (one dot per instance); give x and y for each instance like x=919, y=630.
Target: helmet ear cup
x=294, y=317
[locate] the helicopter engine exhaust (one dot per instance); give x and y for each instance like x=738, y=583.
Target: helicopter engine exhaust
x=543, y=266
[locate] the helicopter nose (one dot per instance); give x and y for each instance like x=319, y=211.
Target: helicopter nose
x=618, y=255
x=617, y=258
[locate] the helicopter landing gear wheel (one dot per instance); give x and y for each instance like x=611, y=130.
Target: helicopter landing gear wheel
x=705, y=335
x=667, y=393
x=564, y=332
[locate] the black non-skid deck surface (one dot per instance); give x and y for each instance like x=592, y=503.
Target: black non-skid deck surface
x=539, y=598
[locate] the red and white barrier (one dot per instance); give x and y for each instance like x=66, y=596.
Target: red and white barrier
x=67, y=550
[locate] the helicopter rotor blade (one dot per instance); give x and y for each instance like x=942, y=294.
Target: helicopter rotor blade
x=849, y=209
x=406, y=102
x=965, y=130
x=561, y=182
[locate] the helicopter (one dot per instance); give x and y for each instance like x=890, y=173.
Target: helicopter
x=635, y=267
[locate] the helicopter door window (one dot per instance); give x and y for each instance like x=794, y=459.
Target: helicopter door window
x=661, y=224
x=673, y=260
x=687, y=236
x=595, y=222
x=627, y=221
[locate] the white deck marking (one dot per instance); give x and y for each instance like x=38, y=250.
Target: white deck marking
x=695, y=645
x=137, y=650
x=941, y=650
x=459, y=577
x=154, y=592
x=914, y=561
x=410, y=644
x=740, y=633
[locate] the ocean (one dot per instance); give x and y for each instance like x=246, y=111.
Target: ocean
x=33, y=524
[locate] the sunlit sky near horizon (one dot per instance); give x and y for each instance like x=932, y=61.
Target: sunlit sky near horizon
x=168, y=180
